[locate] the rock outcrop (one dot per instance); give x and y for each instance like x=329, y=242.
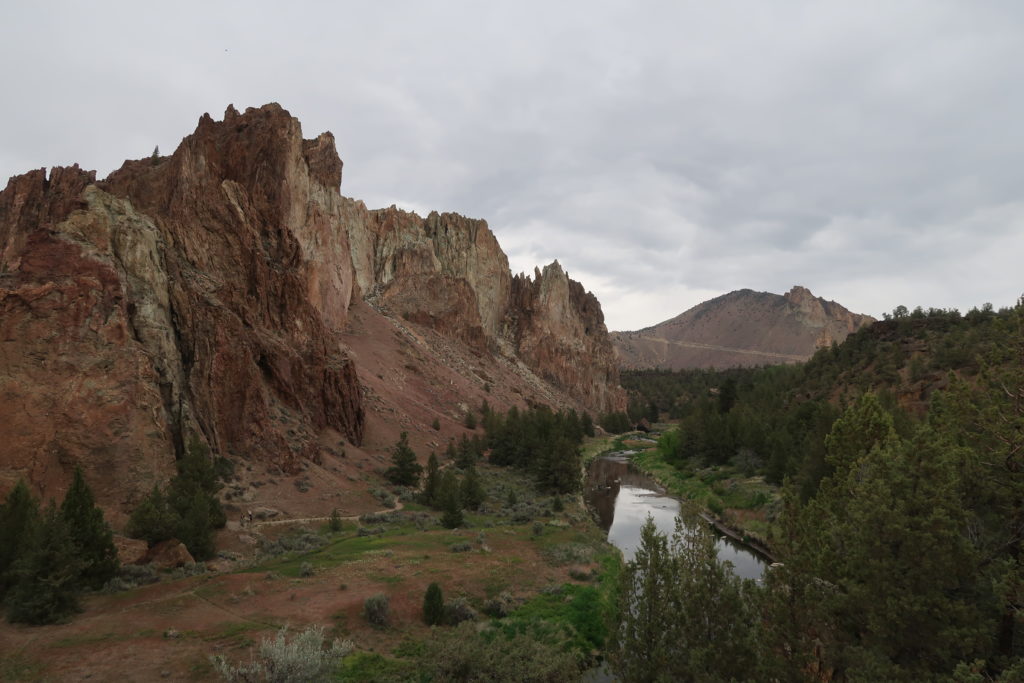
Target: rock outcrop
x=449, y=273
x=205, y=296
x=558, y=330
x=198, y=296
x=741, y=328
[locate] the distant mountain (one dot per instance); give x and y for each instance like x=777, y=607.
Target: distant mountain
x=740, y=328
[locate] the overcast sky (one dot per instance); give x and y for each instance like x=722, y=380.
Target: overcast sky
x=663, y=152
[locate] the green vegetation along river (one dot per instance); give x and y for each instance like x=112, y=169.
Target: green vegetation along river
x=622, y=497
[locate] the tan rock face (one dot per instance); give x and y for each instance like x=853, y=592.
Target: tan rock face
x=740, y=328
x=449, y=272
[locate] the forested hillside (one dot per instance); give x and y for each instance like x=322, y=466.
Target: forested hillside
x=901, y=459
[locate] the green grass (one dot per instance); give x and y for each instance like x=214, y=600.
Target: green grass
x=583, y=611
x=370, y=667
x=715, y=488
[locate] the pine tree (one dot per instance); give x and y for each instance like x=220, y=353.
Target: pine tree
x=466, y=457
x=196, y=472
x=46, y=574
x=431, y=481
x=405, y=471
x=195, y=530
x=683, y=616
x=433, y=605
x=90, y=533
x=18, y=517
x=450, y=501
x=472, y=490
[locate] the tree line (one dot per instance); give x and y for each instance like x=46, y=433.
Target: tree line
x=49, y=557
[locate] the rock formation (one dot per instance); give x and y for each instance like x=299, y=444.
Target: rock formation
x=449, y=273
x=206, y=295
x=741, y=328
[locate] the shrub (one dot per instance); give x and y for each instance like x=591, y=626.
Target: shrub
x=436, y=424
x=457, y=610
x=465, y=654
x=131, y=576
x=463, y=547
x=433, y=605
x=538, y=528
x=376, y=610
x=306, y=570
x=280, y=661
x=557, y=504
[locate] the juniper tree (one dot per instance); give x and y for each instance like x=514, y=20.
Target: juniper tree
x=472, y=491
x=450, y=501
x=153, y=520
x=433, y=605
x=431, y=481
x=46, y=574
x=18, y=516
x=404, y=471
x=90, y=533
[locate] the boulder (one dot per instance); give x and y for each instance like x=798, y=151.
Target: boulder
x=169, y=554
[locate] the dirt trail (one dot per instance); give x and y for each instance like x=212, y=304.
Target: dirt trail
x=351, y=518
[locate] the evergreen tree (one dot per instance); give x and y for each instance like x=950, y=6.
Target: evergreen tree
x=433, y=605
x=334, y=523
x=587, y=423
x=450, y=501
x=898, y=609
x=19, y=515
x=470, y=420
x=153, y=520
x=682, y=615
x=431, y=481
x=195, y=529
x=466, y=455
x=46, y=574
x=472, y=491
x=404, y=471
x=196, y=473
x=90, y=533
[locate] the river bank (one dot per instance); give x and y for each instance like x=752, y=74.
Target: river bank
x=740, y=507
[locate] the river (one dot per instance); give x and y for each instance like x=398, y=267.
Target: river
x=622, y=497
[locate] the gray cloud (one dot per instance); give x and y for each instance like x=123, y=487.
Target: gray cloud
x=664, y=152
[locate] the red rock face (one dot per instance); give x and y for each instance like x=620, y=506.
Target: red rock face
x=197, y=297
x=559, y=331
x=205, y=295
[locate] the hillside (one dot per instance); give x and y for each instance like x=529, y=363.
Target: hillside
x=229, y=294
x=741, y=328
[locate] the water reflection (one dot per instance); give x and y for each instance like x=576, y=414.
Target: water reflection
x=623, y=497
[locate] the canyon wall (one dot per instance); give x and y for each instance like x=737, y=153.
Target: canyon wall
x=203, y=297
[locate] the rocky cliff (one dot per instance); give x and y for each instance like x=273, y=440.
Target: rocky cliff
x=741, y=328
x=205, y=296
x=449, y=273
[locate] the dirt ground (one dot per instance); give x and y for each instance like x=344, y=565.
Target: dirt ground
x=169, y=630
